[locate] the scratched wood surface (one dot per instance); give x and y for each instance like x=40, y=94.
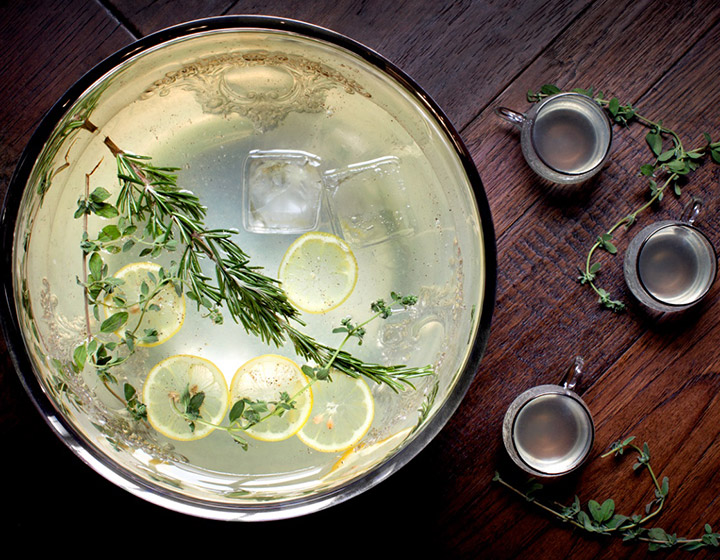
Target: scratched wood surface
x=654, y=377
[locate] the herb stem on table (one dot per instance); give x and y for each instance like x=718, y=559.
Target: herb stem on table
x=669, y=168
x=602, y=519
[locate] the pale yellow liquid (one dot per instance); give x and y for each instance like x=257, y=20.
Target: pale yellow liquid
x=413, y=261
x=569, y=136
x=676, y=265
x=428, y=245
x=552, y=433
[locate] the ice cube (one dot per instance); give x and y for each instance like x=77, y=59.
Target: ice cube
x=282, y=191
x=369, y=202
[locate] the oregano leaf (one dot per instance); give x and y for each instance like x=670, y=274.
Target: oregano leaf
x=654, y=140
x=114, y=322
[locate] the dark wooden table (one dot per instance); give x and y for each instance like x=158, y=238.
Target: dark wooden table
x=653, y=377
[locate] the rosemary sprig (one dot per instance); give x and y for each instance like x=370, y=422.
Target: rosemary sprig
x=176, y=217
x=602, y=519
x=669, y=167
x=151, y=210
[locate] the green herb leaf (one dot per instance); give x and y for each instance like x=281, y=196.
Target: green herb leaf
x=82, y=209
x=105, y=210
x=114, y=322
x=549, y=89
x=678, y=166
x=79, y=357
x=236, y=411
x=605, y=242
x=129, y=391
x=99, y=195
x=667, y=155
x=647, y=170
x=109, y=233
x=129, y=340
x=665, y=487
x=96, y=266
x=654, y=140
x=595, y=511
x=607, y=509
x=614, y=106
x=617, y=521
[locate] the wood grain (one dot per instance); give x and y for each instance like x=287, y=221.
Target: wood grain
x=656, y=377
x=46, y=47
x=549, y=230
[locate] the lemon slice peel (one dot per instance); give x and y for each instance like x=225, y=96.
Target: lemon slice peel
x=363, y=456
x=343, y=411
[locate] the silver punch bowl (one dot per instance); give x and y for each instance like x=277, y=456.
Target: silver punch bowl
x=272, y=128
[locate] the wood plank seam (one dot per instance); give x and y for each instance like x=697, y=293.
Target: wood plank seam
x=118, y=16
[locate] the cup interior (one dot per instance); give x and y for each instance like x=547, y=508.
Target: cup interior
x=677, y=265
x=571, y=134
x=548, y=431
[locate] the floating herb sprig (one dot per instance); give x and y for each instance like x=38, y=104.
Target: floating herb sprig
x=669, y=168
x=175, y=221
x=602, y=519
x=246, y=413
x=152, y=211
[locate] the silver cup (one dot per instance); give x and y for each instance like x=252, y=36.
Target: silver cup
x=565, y=138
x=671, y=265
x=548, y=430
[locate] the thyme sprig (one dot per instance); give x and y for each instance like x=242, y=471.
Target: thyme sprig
x=669, y=168
x=246, y=413
x=602, y=519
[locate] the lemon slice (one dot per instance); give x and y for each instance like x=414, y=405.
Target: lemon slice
x=343, y=410
x=265, y=378
x=169, y=380
x=361, y=457
x=165, y=312
x=318, y=272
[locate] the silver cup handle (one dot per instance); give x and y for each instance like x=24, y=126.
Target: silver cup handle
x=572, y=377
x=692, y=210
x=513, y=117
